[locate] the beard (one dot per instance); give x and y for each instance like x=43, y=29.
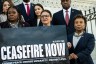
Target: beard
x=26, y=1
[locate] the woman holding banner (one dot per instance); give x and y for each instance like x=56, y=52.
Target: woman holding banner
x=82, y=43
x=46, y=18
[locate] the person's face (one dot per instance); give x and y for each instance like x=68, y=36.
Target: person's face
x=13, y=14
x=46, y=18
x=6, y=5
x=38, y=10
x=79, y=24
x=26, y=1
x=66, y=4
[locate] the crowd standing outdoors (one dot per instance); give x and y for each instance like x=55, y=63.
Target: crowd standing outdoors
x=27, y=14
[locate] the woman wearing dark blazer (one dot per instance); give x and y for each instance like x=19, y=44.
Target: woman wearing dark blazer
x=80, y=43
x=38, y=9
x=13, y=19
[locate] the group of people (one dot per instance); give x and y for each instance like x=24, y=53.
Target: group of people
x=26, y=14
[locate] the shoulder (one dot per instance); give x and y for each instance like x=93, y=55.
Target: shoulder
x=89, y=36
x=1, y=15
x=19, y=5
x=59, y=12
x=32, y=4
x=75, y=10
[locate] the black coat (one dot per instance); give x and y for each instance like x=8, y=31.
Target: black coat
x=7, y=25
x=29, y=19
x=83, y=49
x=58, y=19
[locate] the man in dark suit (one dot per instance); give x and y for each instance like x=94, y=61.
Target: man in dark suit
x=65, y=16
x=27, y=10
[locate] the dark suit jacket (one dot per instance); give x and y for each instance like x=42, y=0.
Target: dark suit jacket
x=30, y=18
x=0, y=6
x=83, y=49
x=35, y=22
x=7, y=25
x=58, y=19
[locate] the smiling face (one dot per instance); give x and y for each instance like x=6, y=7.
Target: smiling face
x=13, y=15
x=79, y=24
x=38, y=10
x=6, y=5
x=46, y=18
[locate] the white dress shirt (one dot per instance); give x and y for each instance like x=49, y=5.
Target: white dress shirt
x=26, y=5
x=76, y=38
x=38, y=21
x=69, y=12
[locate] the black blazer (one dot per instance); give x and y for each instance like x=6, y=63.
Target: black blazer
x=35, y=22
x=58, y=19
x=7, y=25
x=30, y=18
x=83, y=49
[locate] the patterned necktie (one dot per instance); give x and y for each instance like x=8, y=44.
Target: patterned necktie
x=67, y=17
x=28, y=9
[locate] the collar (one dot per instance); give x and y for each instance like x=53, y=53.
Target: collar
x=69, y=10
x=78, y=35
x=26, y=3
x=14, y=23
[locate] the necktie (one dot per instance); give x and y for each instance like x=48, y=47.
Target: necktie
x=28, y=9
x=67, y=17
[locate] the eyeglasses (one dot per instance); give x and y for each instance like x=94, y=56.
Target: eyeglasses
x=42, y=16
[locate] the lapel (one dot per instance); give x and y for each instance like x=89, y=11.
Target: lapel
x=62, y=16
x=23, y=9
x=31, y=9
x=80, y=42
x=72, y=14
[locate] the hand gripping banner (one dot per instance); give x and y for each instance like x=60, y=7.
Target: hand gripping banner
x=34, y=45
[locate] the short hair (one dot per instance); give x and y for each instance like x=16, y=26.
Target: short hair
x=47, y=12
x=80, y=16
x=83, y=17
